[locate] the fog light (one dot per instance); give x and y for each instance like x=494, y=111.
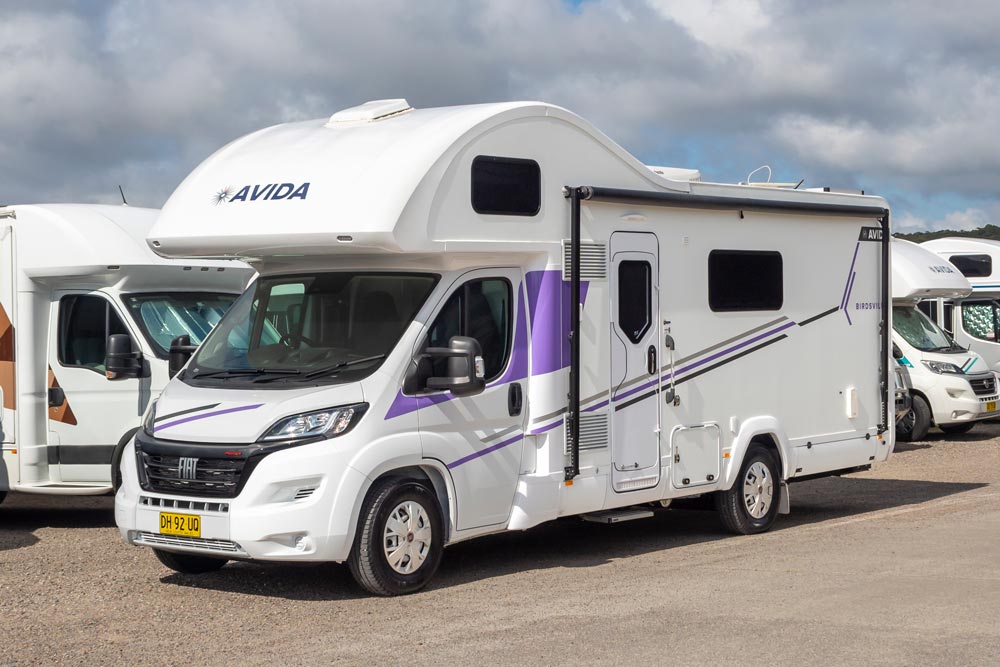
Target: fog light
x=301, y=544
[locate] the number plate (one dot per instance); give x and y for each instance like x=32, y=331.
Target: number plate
x=991, y=406
x=185, y=525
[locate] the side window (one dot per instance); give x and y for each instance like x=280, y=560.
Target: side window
x=979, y=320
x=480, y=309
x=85, y=322
x=635, y=298
x=973, y=266
x=506, y=186
x=745, y=280
x=284, y=306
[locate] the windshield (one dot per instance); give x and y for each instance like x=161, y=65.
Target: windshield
x=324, y=327
x=163, y=317
x=920, y=332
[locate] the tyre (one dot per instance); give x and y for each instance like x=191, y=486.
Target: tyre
x=116, y=459
x=3, y=496
x=751, y=505
x=398, y=545
x=189, y=563
x=955, y=429
x=916, y=423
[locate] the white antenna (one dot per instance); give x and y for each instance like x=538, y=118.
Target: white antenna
x=768, y=183
x=763, y=166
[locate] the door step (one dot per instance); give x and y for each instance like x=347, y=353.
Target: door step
x=617, y=516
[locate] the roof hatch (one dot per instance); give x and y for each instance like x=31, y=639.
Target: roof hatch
x=370, y=112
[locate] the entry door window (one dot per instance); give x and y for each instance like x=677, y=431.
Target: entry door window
x=635, y=299
x=85, y=322
x=480, y=309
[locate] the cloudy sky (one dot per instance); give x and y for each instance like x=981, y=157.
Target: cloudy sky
x=897, y=98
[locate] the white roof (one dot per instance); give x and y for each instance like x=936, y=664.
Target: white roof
x=952, y=246
x=918, y=273
x=385, y=178
x=106, y=244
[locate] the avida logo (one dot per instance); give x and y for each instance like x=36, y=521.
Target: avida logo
x=269, y=191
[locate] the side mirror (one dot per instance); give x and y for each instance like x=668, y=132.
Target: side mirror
x=896, y=352
x=466, y=370
x=181, y=350
x=120, y=362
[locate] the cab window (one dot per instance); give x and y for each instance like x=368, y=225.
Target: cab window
x=85, y=322
x=479, y=309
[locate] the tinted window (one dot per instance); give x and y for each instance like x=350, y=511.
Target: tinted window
x=506, y=186
x=973, y=266
x=635, y=299
x=745, y=280
x=85, y=322
x=480, y=309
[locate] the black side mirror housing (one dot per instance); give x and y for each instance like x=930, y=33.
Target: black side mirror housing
x=466, y=371
x=181, y=350
x=120, y=362
x=896, y=352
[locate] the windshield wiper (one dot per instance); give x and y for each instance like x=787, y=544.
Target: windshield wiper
x=343, y=364
x=246, y=372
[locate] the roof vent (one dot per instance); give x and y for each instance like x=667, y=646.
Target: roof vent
x=370, y=112
x=676, y=173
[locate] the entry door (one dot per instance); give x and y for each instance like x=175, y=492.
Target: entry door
x=635, y=361
x=95, y=412
x=480, y=438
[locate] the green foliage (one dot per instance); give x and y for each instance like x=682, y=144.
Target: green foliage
x=988, y=232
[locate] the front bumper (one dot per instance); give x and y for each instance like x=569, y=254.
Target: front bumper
x=954, y=402
x=297, y=505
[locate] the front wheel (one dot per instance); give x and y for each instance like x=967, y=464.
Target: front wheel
x=3, y=496
x=189, y=563
x=915, y=424
x=399, y=541
x=751, y=505
x=956, y=429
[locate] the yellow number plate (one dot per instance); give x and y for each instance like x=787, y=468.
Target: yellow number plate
x=991, y=406
x=185, y=525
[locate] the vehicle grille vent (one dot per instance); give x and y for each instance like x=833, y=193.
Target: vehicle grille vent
x=302, y=494
x=593, y=431
x=175, y=504
x=212, y=477
x=984, y=386
x=199, y=543
x=593, y=260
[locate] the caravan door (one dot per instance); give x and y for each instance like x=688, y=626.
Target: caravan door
x=635, y=363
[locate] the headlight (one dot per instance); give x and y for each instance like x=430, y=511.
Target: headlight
x=328, y=423
x=943, y=367
x=147, y=422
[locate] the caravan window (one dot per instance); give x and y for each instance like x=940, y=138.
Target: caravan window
x=981, y=319
x=506, y=186
x=85, y=322
x=973, y=266
x=635, y=298
x=480, y=309
x=745, y=280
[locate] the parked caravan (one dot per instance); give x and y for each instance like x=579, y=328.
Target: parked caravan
x=87, y=313
x=974, y=321
x=477, y=319
x=953, y=388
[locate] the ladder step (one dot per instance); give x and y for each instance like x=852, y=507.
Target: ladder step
x=617, y=516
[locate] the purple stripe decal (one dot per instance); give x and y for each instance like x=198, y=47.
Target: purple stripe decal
x=704, y=361
x=549, y=305
x=850, y=272
x=484, y=452
x=547, y=428
x=597, y=406
x=216, y=413
x=850, y=288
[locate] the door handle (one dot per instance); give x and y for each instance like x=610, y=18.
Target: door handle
x=515, y=399
x=651, y=360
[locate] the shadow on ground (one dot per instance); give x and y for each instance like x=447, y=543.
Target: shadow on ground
x=22, y=514
x=574, y=543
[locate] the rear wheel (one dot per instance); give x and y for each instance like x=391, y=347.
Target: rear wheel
x=751, y=505
x=189, y=563
x=399, y=541
x=915, y=424
x=955, y=429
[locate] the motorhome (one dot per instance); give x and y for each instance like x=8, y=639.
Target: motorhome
x=87, y=314
x=477, y=319
x=974, y=320
x=953, y=388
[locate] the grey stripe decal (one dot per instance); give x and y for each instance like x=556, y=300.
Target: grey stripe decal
x=819, y=317
x=80, y=454
x=160, y=418
x=500, y=434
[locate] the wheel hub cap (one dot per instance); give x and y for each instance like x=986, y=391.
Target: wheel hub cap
x=406, y=539
x=758, y=490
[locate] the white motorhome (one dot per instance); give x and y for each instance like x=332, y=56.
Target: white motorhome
x=476, y=319
x=976, y=324
x=75, y=279
x=953, y=388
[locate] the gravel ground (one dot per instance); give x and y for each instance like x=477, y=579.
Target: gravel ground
x=893, y=566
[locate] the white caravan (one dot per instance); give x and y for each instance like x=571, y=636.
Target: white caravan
x=977, y=325
x=952, y=387
x=74, y=280
x=477, y=319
